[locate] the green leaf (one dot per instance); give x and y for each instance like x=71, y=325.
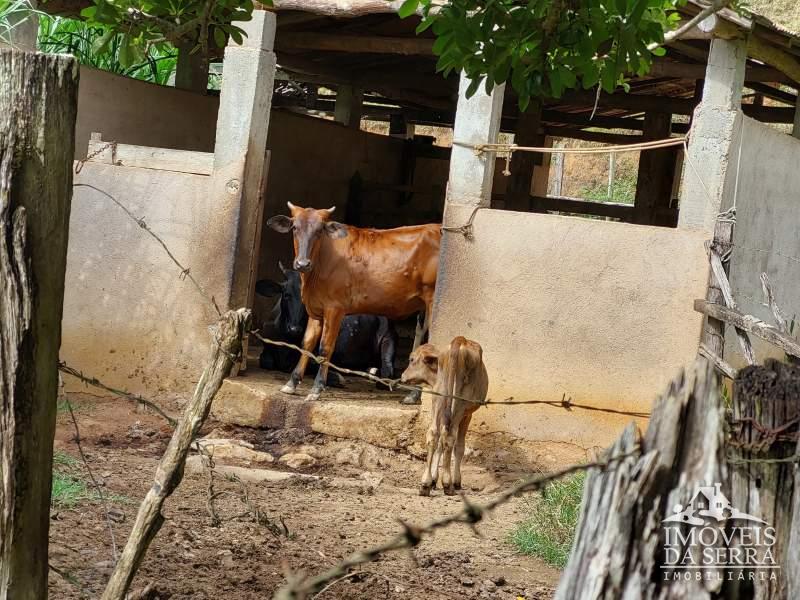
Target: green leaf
x=474, y=84
x=100, y=45
x=408, y=8
x=125, y=55
x=219, y=37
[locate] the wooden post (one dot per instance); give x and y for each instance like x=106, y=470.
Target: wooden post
x=226, y=346
x=518, y=190
x=191, y=69
x=796, y=128
x=347, y=110
x=620, y=539
x=39, y=95
x=764, y=400
x=656, y=171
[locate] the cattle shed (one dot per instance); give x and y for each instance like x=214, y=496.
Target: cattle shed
x=584, y=308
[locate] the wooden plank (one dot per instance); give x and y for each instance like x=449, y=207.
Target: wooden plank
x=602, y=137
x=518, y=185
x=578, y=206
x=39, y=96
x=361, y=44
x=749, y=324
x=147, y=157
x=721, y=366
x=721, y=276
x=656, y=171
x=770, y=54
x=683, y=70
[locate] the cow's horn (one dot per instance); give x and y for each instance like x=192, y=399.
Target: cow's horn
x=291, y=206
x=330, y=210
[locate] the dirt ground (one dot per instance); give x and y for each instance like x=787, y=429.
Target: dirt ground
x=356, y=500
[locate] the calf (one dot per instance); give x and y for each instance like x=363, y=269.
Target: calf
x=348, y=270
x=364, y=341
x=455, y=373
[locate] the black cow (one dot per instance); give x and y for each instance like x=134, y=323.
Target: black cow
x=364, y=342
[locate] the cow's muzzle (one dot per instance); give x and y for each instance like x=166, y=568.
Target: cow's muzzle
x=303, y=265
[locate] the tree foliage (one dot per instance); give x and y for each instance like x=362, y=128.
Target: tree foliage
x=148, y=23
x=544, y=47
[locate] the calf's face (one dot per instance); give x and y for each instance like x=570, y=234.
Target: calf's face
x=423, y=365
x=308, y=226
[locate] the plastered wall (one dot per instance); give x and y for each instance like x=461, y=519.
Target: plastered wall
x=129, y=318
x=598, y=311
x=765, y=238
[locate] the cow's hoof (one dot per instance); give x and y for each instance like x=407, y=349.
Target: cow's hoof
x=289, y=388
x=411, y=400
x=312, y=397
x=457, y=486
x=424, y=490
x=433, y=484
x=448, y=490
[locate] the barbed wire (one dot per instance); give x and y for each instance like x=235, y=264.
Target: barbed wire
x=299, y=587
x=93, y=381
x=395, y=384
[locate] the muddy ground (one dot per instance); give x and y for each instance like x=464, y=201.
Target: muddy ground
x=356, y=501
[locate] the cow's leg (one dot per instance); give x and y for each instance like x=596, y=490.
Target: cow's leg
x=437, y=462
x=415, y=397
x=447, y=439
x=459, y=449
x=332, y=320
x=432, y=448
x=310, y=339
x=387, y=351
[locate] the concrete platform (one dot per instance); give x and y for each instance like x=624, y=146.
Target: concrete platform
x=359, y=411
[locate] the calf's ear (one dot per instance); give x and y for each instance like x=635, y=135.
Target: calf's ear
x=267, y=287
x=335, y=230
x=432, y=361
x=280, y=223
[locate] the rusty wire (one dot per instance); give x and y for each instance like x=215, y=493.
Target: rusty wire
x=299, y=587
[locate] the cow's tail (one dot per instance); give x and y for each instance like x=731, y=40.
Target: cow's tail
x=454, y=369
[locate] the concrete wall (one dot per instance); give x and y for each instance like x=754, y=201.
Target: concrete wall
x=129, y=318
x=129, y=111
x=765, y=239
x=596, y=310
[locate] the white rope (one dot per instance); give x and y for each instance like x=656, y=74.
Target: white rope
x=510, y=148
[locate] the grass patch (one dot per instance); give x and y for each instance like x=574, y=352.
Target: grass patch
x=549, y=528
x=68, y=491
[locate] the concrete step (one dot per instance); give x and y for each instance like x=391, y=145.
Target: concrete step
x=358, y=411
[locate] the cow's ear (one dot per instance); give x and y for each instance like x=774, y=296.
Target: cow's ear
x=280, y=223
x=432, y=361
x=335, y=230
x=267, y=287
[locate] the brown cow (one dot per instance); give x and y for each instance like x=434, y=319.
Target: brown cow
x=347, y=270
x=458, y=372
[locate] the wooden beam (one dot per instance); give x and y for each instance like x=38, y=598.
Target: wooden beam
x=769, y=114
x=682, y=70
x=749, y=324
x=637, y=102
x=601, y=137
x=518, y=188
x=656, y=171
x=146, y=157
x=773, y=92
x=359, y=44
x=767, y=53
x=340, y=9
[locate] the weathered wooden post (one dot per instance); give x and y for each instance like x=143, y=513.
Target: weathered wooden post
x=38, y=96
x=766, y=413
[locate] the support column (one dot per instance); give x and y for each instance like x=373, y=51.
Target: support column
x=477, y=122
x=518, y=190
x=656, y=171
x=191, y=68
x=347, y=109
x=796, y=128
x=240, y=155
x=715, y=139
